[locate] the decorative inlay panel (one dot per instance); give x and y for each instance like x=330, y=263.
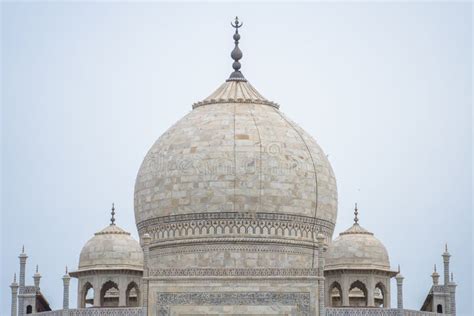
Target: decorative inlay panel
x=206, y=248
x=301, y=300
x=194, y=225
x=261, y=272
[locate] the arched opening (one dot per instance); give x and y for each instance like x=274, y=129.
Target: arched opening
x=439, y=309
x=87, y=296
x=29, y=309
x=335, y=295
x=358, y=294
x=133, y=295
x=379, y=295
x=109, y=295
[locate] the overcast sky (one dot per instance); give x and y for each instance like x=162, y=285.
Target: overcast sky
x=384, y=88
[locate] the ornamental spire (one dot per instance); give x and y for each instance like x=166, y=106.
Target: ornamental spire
x=112, y=219
x=236, y=53
x=356, y=212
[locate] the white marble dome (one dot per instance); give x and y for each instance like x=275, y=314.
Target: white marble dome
x=235, y=152
x=111, y=249
x=358, y=249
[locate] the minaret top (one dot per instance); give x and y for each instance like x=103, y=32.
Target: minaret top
x=23, y=254
x=236, y=53
x=37, y=274
x=112, y=219
x=14, y=285
x=446, y=253
x=399, y=275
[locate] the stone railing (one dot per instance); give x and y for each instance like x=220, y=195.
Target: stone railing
x=351, y=311
x=114, y=311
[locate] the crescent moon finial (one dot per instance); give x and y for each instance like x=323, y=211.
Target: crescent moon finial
x=236, y=53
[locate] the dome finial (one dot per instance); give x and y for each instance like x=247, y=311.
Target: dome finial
x=236, y=53
x=112, y=219
x=356, y=212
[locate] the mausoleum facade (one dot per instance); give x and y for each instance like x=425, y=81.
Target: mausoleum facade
x=235, y=208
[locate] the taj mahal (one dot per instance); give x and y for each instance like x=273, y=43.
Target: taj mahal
x=235, y=207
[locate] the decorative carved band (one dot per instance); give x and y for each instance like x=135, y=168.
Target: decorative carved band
x=248, y=248
x=301, y=300
x=237, y=272
x=185, y=226
x=231, y=100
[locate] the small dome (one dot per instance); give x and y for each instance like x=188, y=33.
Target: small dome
x=110, y=249
x=357, y=248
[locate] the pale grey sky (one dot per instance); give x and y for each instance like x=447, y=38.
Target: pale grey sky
x=384, y=88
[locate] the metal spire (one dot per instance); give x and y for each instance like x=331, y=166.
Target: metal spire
x=14, y=278
x=36, y=268
x=112, y=219
x=435, y=267
x=356, y=219
x=23, y=249
x=236, y=53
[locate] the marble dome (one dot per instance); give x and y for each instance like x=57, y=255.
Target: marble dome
x=357, y=248
x=235, y=152
x=112, y=248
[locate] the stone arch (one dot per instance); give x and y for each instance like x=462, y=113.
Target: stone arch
x=358, y=294
x=109, y=294
x=380, y=295
x=335, y=294
x=132, y=295
x=87, y=295
x=29, y=309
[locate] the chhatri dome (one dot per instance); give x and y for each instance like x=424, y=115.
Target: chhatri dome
x=235, y=167
x=357, y=248
x=111, y=248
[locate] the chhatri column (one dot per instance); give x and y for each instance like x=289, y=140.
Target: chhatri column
x=66, y=281
x=146, y=255
x=14, y=286
x=345, y=290
x=97, y=289
x=399, y=278
x=370, y=292
x=322, y=308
